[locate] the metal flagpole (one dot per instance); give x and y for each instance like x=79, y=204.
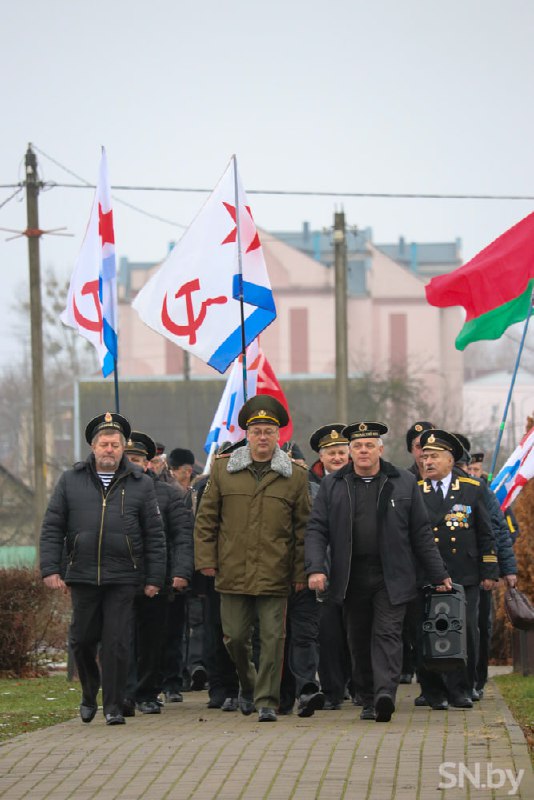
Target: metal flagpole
x=116, y=379
x=240, y=272
x=509, y=398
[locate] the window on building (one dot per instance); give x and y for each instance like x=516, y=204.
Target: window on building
x=298, y=339
x=398, y=342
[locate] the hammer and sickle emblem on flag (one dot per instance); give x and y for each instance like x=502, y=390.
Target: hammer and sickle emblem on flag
x=91, y=288
x=193, y=323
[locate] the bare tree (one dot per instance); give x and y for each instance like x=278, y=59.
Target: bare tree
x=67, y=356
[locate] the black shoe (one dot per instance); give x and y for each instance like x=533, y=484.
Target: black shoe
x=475, y=696
x=215, y=703
x=115, y=719
x=367, y=712
x=199, y=676
x=285, y=711
x=174, y=697
x=267, y=715
x=230, y=704
x=480, y=693
x=406, y=677
x=421, y=701
x=148, y=707
x=440, y=705
x=462, y=702
x=384, y=707
x=331, y=705
x=87, y=713
x=245, y=704
x=128, y=708
x=310, y=703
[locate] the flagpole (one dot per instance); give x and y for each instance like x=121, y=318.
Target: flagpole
x=240, y=271
x=509, y=398
x=116, y=380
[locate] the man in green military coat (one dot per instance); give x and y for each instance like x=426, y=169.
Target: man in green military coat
x=249, y=535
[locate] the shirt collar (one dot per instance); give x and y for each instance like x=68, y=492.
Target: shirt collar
x=445, y=483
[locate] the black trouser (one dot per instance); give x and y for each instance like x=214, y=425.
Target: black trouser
x=102, y=614
x=301, y=649
x=374, y=633
x=457, y=683
x=150, y=631
x=334, y=655
x=409, y=638
x=485, y=625
x=222, y=675
x=173, y=660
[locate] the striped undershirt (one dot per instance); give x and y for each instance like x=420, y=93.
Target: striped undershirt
x=106, y=478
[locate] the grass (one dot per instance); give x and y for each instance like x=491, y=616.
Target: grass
x=518, y=693
x=27, y=704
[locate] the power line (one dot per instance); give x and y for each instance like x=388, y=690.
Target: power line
x=11, y=196
x=87, y=185
x=84, y=184
x=306, y=193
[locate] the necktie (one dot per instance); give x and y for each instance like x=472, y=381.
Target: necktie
x=439, y=489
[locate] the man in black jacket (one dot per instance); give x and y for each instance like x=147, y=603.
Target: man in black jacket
x=372, y=516
x=146, y=672
x=104, y=515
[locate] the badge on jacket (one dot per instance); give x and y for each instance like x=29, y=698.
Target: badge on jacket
x=458, y=517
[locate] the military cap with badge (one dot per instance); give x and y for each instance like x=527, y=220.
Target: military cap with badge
x=330, y=435
x=364, y=430
x=262, y=409
x=141, y=444
x=416, y=430
x=437, y=439
x=109, y=421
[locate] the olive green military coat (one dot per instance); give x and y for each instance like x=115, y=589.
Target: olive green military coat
x=250, y=531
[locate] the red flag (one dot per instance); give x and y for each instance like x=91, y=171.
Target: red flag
x=495, y=287
x=268, y=384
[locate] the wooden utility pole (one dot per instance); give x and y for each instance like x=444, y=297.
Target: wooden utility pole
x=340, y=263
x=33, y=234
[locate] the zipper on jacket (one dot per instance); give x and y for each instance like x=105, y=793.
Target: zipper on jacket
x=73, y=551
x=122, y=502
x=100, y=538
x=131, y=552
x=100, y=535
x=350, y=517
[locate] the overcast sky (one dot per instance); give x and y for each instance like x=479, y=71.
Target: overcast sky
x=385, y=96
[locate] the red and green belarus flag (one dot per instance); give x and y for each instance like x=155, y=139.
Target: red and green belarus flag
x=495, y=287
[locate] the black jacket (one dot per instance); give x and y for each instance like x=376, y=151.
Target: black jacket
x=110, y=537
x=501, y=531
x=404, y=536
x=462, y=529
x=178, y=526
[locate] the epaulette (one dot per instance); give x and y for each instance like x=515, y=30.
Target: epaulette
x=474, y=481
x=302, y=466
x=420, y=483
x=222, y=455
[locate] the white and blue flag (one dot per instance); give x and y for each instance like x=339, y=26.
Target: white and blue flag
x=193, y=299
x=92, y=298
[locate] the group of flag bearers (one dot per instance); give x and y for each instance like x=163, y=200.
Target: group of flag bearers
x=369, y=527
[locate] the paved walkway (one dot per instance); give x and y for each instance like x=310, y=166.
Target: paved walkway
x=191, y=752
